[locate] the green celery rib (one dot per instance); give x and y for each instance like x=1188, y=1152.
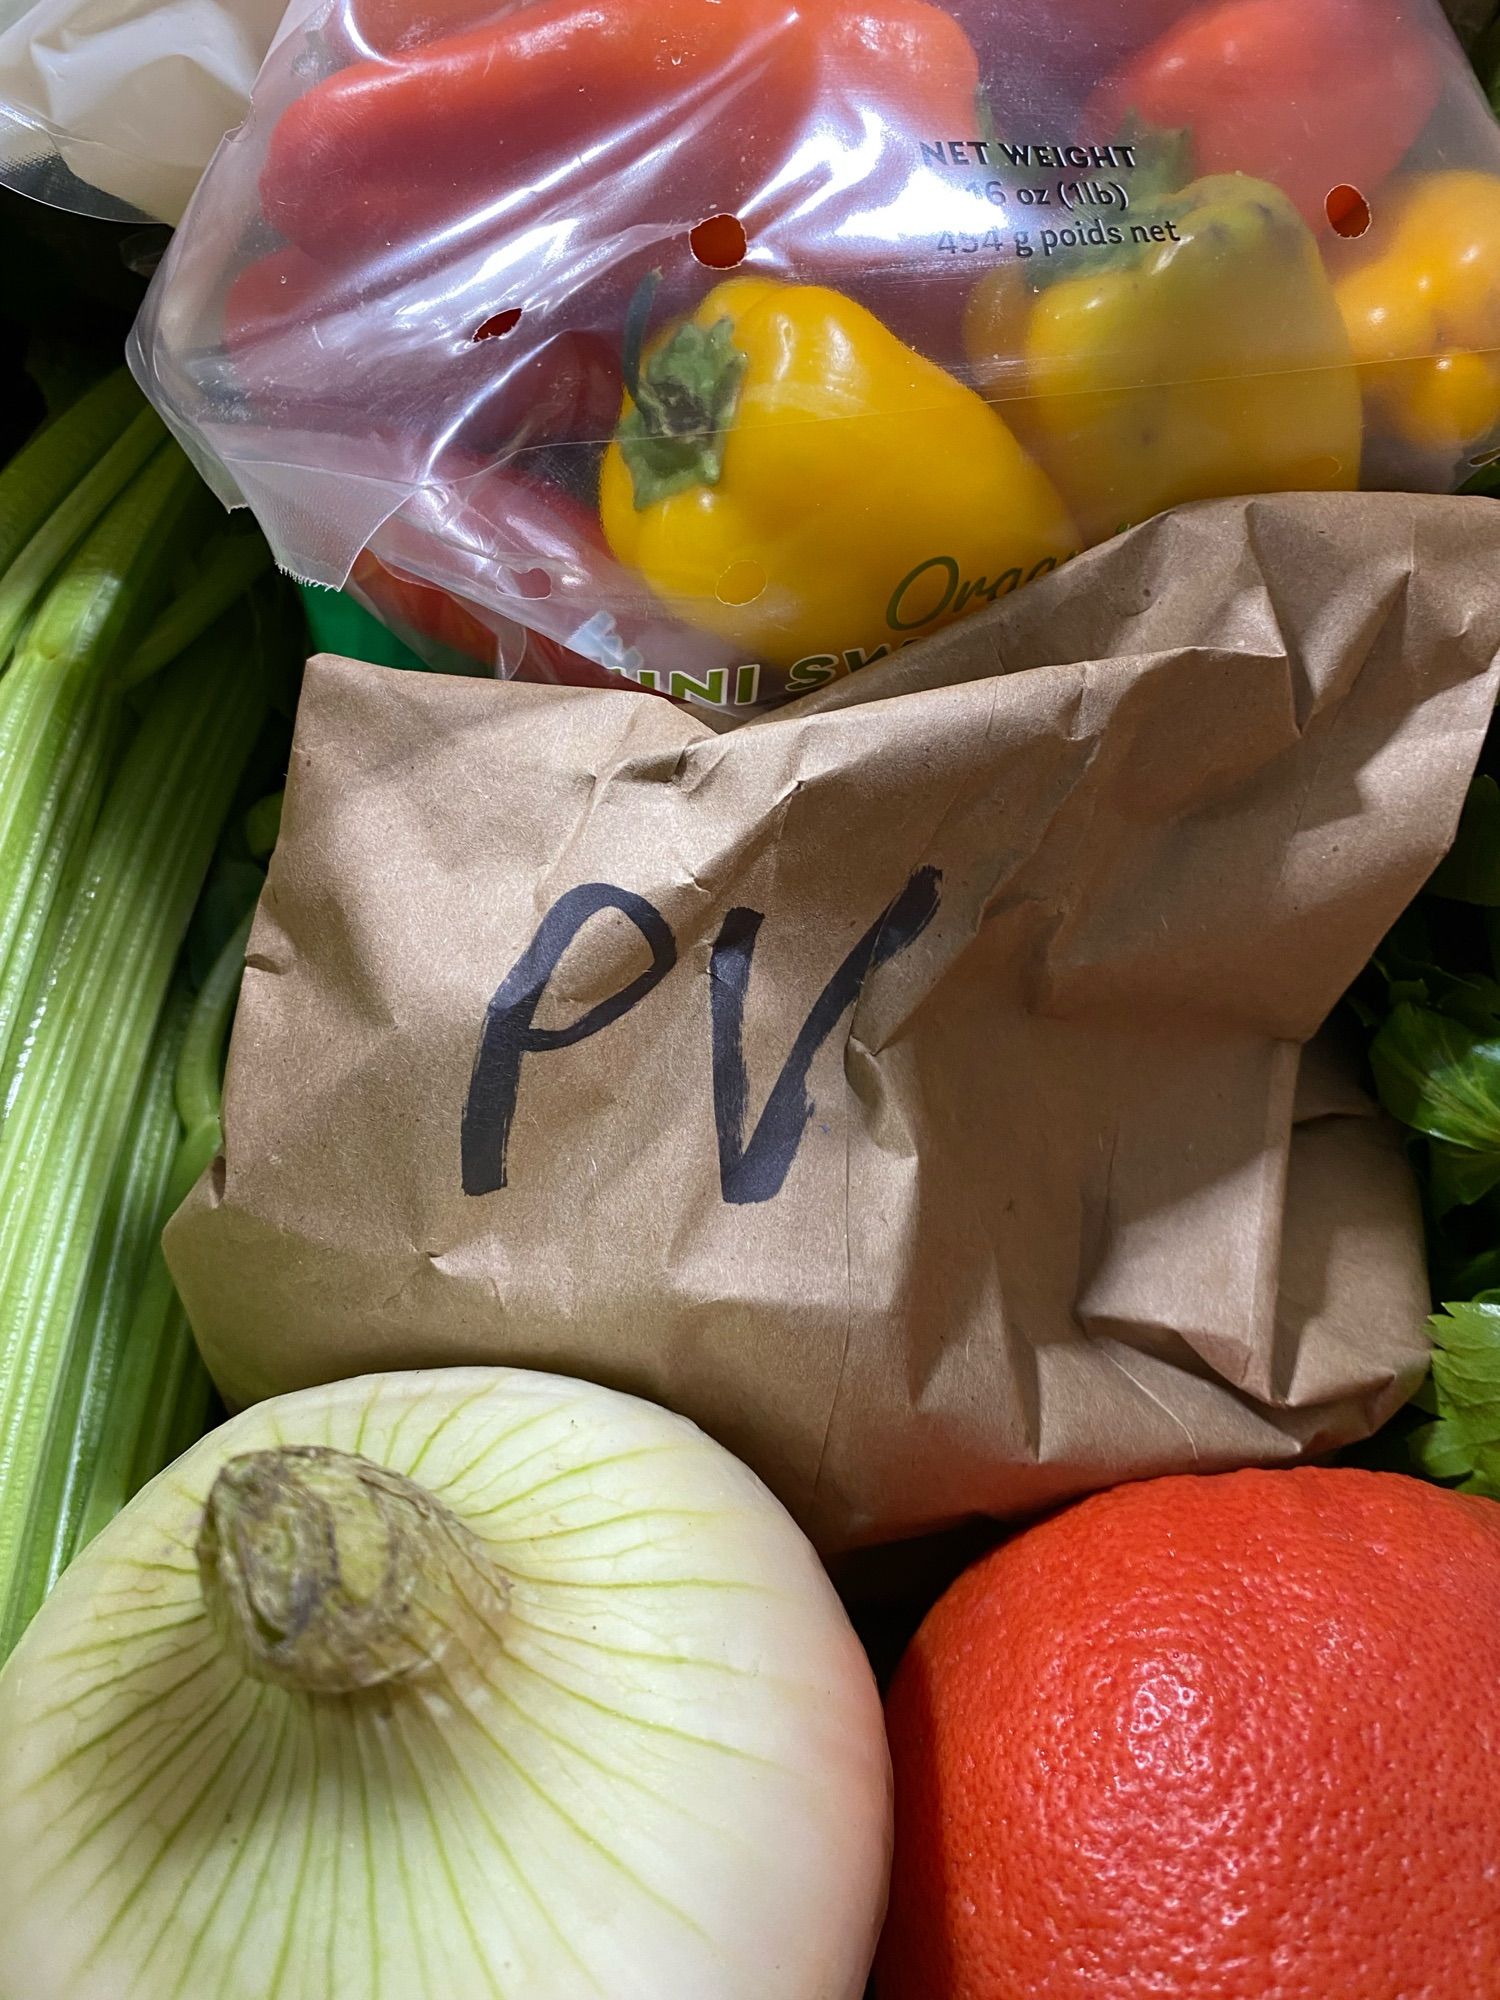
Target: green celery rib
x=158, y=1410
x=45, y=471
x=191, y=1398
x=59, y=776
x=200, y=1068
x=227, y=573
x=43, y=912
x=263, y=825
x=70, y=1114
x=154, y=1365
x=55, y=733
x=27, y=574
x=86, y=1417
x=161, y=1391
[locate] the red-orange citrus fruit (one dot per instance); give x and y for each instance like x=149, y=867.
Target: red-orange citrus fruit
x=1231, y=1738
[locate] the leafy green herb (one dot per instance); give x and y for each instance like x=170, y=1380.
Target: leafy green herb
x=1431, y=1001
x=1463, y=1445
x=1440, y=1077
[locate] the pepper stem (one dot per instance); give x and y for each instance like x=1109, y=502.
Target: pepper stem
x=637, y=325
x=684, y=397
x=328, y=1575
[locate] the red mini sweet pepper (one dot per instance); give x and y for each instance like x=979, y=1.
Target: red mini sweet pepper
x=1311, y=95
x=697, y=101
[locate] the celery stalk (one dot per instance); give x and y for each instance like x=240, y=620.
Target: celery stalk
x=192, y=1399
x=200, y=1067
x=85, y=1420
x=227, y=572
x=157, y=1411
x=47, y=469
x=70, y=1114
x=41, y=916
x=154, y=1364
x=179, y=1405
x=27, y=573
x=263, y=825
x=53, y=742
x=161, y=1392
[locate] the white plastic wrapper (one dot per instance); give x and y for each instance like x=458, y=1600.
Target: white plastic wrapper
x=115, y=107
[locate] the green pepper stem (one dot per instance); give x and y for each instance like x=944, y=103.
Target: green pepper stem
x=637, y=325
x=686, y=397
x=327, y=1574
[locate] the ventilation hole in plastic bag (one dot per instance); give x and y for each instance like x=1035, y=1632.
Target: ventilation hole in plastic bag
x=1348, y=211
x=720, y=242
x=741, y=584
x=533, y=583
x=498, y=324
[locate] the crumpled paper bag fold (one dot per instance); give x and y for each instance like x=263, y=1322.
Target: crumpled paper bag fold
x=922, y=1087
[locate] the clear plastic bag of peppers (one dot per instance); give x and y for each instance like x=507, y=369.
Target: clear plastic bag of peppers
x=724, y=346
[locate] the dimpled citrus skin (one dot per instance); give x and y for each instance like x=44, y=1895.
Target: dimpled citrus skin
x=1230, y=1738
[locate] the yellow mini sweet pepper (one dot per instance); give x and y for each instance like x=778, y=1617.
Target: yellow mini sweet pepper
x=1187, y=350
x=1423, y=312
x=790, y=476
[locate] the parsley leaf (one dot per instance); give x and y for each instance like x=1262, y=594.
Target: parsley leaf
x=1463, y=1445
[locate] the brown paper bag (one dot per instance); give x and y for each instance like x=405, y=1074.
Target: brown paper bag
x=911, y=1087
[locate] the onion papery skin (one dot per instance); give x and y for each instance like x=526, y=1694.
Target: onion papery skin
x=658, y=1773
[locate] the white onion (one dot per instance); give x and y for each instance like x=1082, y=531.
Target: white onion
x=589, y=1721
